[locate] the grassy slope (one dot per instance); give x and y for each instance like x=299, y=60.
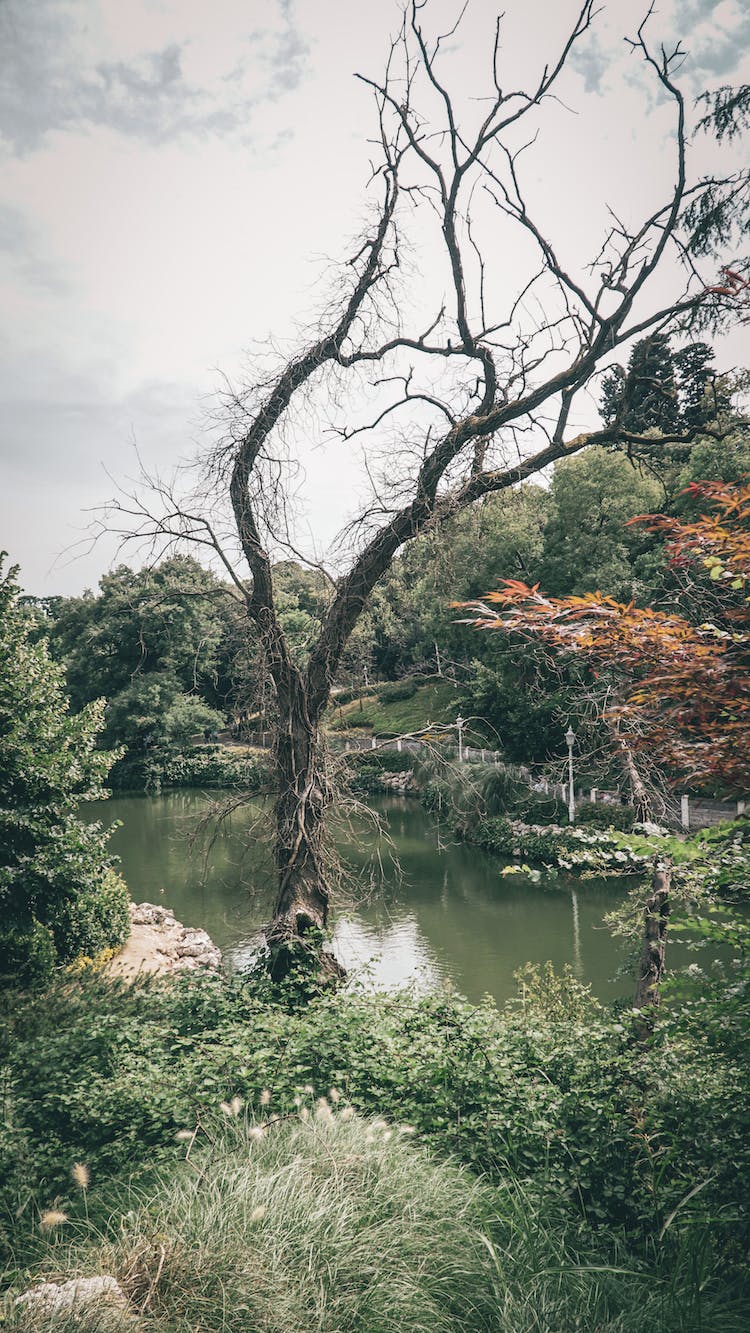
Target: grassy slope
x=435, y=701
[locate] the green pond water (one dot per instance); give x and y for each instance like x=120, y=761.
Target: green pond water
x=442, y=912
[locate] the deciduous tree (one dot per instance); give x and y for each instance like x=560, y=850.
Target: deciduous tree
x=678, y=690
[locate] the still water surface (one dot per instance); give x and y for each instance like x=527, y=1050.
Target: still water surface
x=444, y=913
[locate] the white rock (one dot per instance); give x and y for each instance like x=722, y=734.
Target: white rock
x=80, y=1292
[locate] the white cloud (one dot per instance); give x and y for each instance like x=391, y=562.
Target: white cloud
x=149, y=72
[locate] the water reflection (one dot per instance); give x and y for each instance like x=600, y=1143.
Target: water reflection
x=443, y=913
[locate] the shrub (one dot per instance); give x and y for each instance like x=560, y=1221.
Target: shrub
x=582, y=1131
x=395, y=691
x=201, y=766
x=366, y=769
x=605, y=814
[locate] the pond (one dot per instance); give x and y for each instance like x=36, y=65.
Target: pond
x=423, y=909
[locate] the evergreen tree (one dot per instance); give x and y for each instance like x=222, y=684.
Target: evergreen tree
x=645, y=396
x=59, y=896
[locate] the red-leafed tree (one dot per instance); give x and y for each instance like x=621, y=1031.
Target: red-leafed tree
x=675, y=689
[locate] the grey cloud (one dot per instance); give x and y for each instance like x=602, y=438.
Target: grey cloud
x=61, y=424
x=43, y=86
x=714, y=53
x=591, y=62
x=718, y=55
x=19, y=249
x=57, y=430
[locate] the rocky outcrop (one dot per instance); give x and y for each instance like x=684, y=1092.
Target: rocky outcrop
x=158, y=943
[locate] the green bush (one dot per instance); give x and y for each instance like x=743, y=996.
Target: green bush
x=347, y=1226
x=201, y=766
x=533, y=807
x=553, y=1090
x=604, y=815
x=27, y=955
x=398, y=690
x=583, y=851
x=591, y=1132
x=345, y=696
x=366, y=770
x=331, y=1222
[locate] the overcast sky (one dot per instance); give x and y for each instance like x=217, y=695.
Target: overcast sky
x=174, y=173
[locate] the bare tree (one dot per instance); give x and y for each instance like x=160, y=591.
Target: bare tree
x=476, y=398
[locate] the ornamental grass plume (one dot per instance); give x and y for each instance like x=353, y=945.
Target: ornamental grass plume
x=265, y=1097
x=80, y=1175
x=52, y=1217
x=233, y=1108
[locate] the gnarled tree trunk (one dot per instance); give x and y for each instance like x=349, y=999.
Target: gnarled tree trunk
x=300, y=916
x=651, y=962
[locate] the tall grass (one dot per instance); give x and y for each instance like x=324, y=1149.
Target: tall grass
x=327, y=1222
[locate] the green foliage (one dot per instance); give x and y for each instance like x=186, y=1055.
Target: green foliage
x=201, y=766
x=553, y=1092
x=166, y=622
x=394, y=1239
x=523, y=700
x=409, y=617
x=366, y=770
x=349, y=1225
x=586, y=853
x=587, y=545
x=395, y=691
x=59, y=897
x=604, y=815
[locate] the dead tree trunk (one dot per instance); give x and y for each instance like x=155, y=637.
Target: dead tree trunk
x=300, y=916
x=651, y=963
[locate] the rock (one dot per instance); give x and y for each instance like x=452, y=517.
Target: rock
x=79, y=1294
x=158, y=943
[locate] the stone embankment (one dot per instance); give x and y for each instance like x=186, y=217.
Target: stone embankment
x=158, y=943
x=402, y=784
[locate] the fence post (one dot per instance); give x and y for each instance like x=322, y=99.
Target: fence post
x=685, y=812
x=398, y=744
x=482, y=756
x=740, y=807
x=592, y=796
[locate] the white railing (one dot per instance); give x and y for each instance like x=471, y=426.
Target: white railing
x=695, y=811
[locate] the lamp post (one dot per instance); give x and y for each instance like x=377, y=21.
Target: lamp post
x=570, y=738
x=460, y=729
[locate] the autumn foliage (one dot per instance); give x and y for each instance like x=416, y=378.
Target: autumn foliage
x=679, y=687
